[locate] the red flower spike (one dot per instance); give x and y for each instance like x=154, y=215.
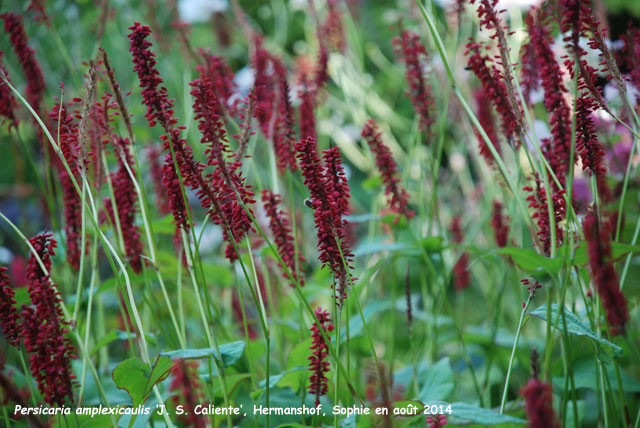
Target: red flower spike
x=398, y=197
x=43, y=328
x=556, y=150
x=307, y=108
x=500, y=224
x=70, y=148
x=604, y=274
x=125, y=199
x=485, y=117
x=437, y=421
x=412, y=52
x=9, y=318
x=284, y=138
x=493, y=85
x=332, y=29
x=26, y=56
x=7, y=100
x=318, y=364
x=538, y=398
x=461, y=274
x=588, y=146
x=328, y=191
x=216, y=69
x=188, y=392
x=538, y=201
x=229, y=191
x=281, y=230
x=265, y=85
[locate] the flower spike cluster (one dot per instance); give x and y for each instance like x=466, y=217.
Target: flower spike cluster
x=485, y=117
x=228, y=192
x=538, y=201
x=412, y=52
x=284, y=138
x=281, y=230
x=398, y=197
x=604, y=274
x=318, y=364
x=538, y=397
x=9, y=318
x=328, y=190
x=43, y=328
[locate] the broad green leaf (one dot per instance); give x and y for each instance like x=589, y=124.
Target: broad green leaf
x=355, y=323
x=587, y=375
x=532, y=262
x=160, y=371
x=606, y=350
x=437, y=382
x=131, y=375
x=299, y=355
x=481, y=416
x=229, y=353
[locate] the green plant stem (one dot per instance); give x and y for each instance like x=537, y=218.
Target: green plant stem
x=513, y=354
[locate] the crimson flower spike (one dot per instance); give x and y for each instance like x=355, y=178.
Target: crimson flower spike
x=284, y=138
x=231, y=193
x=538, y=397
x=557, y=149
x=605, y=277
x=588, y=146
x=265, y=86
x=538, y=201
x=307, y=108
x=9, y=318
x=282, y=235
x=398, y=197
x=126, y=203
x=216, y=68
x=7, y=100
x=413, y=53
x=332, y=28
x=485, y=117
x=329, y=199
x=43, y=328
x=26, y=56
x=188, y=392
x=494, y=86
x=500, y=224
x=461, y=274
x=318, y=364
x=70, y=148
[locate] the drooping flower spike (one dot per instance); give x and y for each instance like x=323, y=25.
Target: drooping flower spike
x=318, y=364
x=328, y=191
x=461, y=274
x=398, y=197
x=9, y=318
x=282, y=235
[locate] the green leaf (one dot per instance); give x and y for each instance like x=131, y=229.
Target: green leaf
x=131, y=375
x=160, y=371
x=481, y=416
x=229, y=353
x=586, y=375
x=532, y=262
x=431, y=244
x=438, y=382
x=606, y=350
